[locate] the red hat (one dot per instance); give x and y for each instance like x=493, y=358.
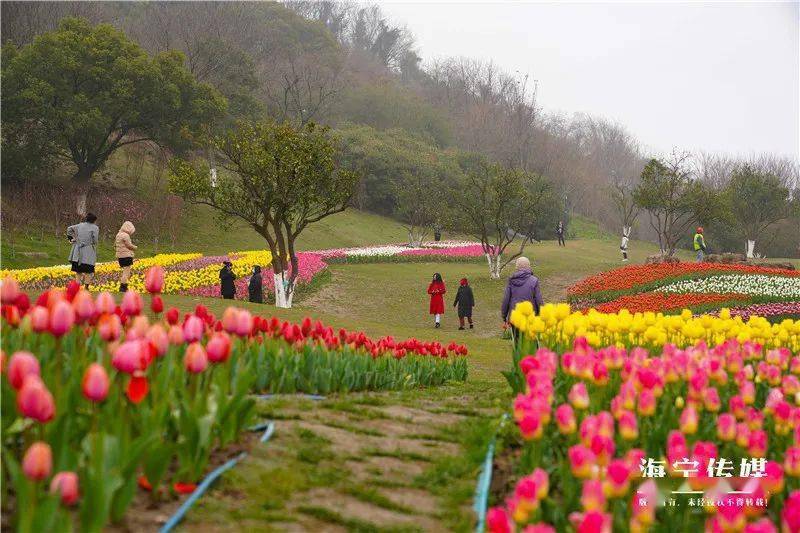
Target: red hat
x=699, y=229
x=463, y=281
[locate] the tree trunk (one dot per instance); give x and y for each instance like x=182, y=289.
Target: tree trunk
x=751, y=246
x=81, y=178
x=284, y=293
x=494, y=265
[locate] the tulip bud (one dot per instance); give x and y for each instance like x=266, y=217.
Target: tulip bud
x=38, y=461
x=62, y=317
x=105, y=303
x=35, y=401
x=172, y=316
x=40, y=318
x=66, y=485
x=109, y=327
x=219, y=348
x=83, y=306
x=157, y=304
x=20, y=366
x=154, y=279
x=244, y=323
x=193, y=329
x=131, y=303
x=9, y=291
x=95, y=383
x=229, y=319
x=578, y=396
x=195, y=359
x=129, y=357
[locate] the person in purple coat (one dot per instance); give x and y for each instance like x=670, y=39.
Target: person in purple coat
x=522, y=286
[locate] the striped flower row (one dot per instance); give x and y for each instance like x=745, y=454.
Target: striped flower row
x=751, y=284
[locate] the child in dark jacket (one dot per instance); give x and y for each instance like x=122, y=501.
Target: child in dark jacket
x=465, y=301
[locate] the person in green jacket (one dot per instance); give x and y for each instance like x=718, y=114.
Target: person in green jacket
x=699, y=244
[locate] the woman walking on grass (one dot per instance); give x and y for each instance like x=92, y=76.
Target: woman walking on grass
x=437, y=289
x=465, y=301
x=83, y=254
x=124, y=248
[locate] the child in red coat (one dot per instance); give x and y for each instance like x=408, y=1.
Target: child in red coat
x=436, y=289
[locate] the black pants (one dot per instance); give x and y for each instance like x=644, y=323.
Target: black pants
x=561, y=240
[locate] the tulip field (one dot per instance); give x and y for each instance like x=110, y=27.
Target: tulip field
x=196, y=274
x=701, y=287
x=101, y=401
x=641, y=421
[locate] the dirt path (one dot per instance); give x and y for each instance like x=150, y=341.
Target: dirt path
x=403, y=461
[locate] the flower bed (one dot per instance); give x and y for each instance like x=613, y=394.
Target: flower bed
x=98, y=398
x=451, y=251
x=702, y=287
x=198, y=275
x=623, y=438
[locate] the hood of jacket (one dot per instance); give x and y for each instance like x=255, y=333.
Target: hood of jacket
x=520, y=277
x=127, y=227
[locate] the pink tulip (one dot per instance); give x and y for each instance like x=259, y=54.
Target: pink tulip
x=175, y=335
x=578, y=396
x=790, y=516
x=95, y=383
x=581, y=460
x=618, y=475
x=83, y=306
x=129, y=357
x=154, y=279
x=761, y=526
x=193, y=329
x=772, y=481
x=628, y=425
x=105, y=303
x=497, y=521
x=229, y=319
x=689, y=420
x=726, y=427
x=158, y=339
x=66, y=485
x=592, y=496
x=757, y=444
x=40, y=318
x=131, y=303
x=109, y=327
x=38, y=461
x=9, y=291
x=20, y=366
x=35, y=401
x=62, y=317
x=219, y=348
x=791, y=461
x=195, y=359
x=244, y=323
x=565, y=419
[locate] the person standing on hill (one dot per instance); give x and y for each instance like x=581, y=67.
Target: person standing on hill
x=256, y=286
x=83, y=255
x=623, y=247
x=465, y=301
x=226, y=280
x=699, y=244
x=437, y=290
x=522, y=286
x=560, y=233
x=124, y=248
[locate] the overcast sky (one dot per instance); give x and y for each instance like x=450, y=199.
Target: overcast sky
x=720, y=77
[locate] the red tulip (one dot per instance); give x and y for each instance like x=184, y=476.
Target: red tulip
x=38, y=461
x=195, y=359
x=172, y=316
x=83, y=306
x=66, y=485
x=35, y=401
x=40, y=318
x=193, y=329
x=219, y=348
x=22, y=302
x=129, y=357
x=62, y=317
x=9, y=291
x=20, y=366
x=131, y=303
x=497, y=521
x=11, y=315
x=72, y=289
x=95, y=383
x=137, y=388
x=154, y=279
x=157, y=304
